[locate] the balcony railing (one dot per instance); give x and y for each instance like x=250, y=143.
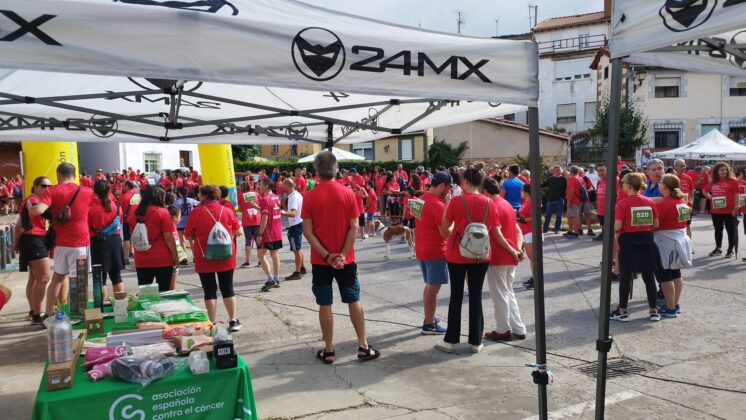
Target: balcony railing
x=579, y=43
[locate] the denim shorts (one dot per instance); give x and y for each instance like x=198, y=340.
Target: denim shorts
x=295, y=237
x=323, y=275
x=371, y=217
x=434, y=272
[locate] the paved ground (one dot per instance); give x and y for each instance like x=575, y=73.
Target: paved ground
x=693, y=363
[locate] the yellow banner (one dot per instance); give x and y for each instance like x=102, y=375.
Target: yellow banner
x=42, y=158
x=216, y=162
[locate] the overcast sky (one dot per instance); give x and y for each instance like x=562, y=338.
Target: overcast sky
x=479, y=15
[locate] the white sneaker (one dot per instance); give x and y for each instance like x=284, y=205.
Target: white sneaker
x=443, y=346
x=365, y=236
x=477, y=349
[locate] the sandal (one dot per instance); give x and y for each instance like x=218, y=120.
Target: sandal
x=368, y=354
x=323, y=355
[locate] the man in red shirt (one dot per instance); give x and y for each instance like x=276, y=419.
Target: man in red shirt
x=330, y=230
x=69, y=205
x=270, y=233
x=704, y=185
x=128, y=202
x=430, y=247
x=301, y=185
x=401, y=173
x=574, y=204
x=357, y=179
x=131, y=175
x=99, y=175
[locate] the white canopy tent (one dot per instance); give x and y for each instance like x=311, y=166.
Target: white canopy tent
x=712, y=146
x=695, y=35
x=338, y=153
x=314, y=75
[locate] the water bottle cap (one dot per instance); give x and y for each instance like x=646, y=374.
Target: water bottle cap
x=59, y=316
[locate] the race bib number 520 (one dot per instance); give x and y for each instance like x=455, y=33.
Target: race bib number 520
x=642, y=216
x=685, y=212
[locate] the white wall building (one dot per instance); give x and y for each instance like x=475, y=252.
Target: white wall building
x=567, y=86
x=143, y=156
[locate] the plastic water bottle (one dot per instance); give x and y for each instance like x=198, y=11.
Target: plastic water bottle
x=60, y=339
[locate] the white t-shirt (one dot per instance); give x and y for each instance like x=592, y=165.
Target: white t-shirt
x=295, y=202
x=593, y=176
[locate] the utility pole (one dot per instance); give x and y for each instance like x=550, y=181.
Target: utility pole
x=460, y=21
x=533, y=15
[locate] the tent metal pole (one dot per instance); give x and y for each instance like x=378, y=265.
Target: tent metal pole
x=604, y=341
x=540, y=376
x=329, y=136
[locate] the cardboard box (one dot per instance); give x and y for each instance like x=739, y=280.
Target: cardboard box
x=94, y=321
x=61, y=375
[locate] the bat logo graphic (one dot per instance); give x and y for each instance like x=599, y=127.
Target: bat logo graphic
x=684, y=15
x=318, y=54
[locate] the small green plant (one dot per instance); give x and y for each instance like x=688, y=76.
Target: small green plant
x=442, y=153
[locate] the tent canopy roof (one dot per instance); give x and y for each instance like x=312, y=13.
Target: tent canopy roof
x=270, y=67
x=712, y=146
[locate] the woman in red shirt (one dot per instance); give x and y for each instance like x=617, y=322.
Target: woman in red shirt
x=162, y=258
x=198, y=228
x=28, y=240
x=104, y=222
x=636, y=218
x=673, y=214
x=524, y=223
x=371, y=205
x=724, y=195
x=455, y=220
x=392, y=191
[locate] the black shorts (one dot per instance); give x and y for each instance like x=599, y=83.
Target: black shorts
x=30, y=248
x=323, y=275
x=250, y=234
x=668, y=275
x=271, y=246
x=361, y=220
x=126, y=233
x=394, y=209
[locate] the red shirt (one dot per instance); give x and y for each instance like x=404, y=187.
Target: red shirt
x=393, y=186
x=358, y=180
x=401, y=174
x=4, y=192
x=128, y=201
x=249, y=215
x=601, y=196
x=724, y=189
x=331, y=223
x=86, y=182
x=428, y=243
x=424, y=181
x=359, y=199
x=524, y=179
x=38, y=223
x=506, y=217
x=270, y=205
x=525, y=212
x=619, y=165
x=687, y=187
x=99, y=218
x=200, y=223
x=705, y=182
x=132, y=175
x=643, y=210
x=165, y=182
x=371, y=203
x=158, y=223
x=573, y=183
x=672, y=213
x=380, y=182
x=693, y=175
x=301, y=185
x=455, y=213
x=178, y=182
x=74, y=233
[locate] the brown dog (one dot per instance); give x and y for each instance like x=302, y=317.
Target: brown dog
x=390, y=232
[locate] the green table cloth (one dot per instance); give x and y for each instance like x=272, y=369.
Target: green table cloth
x=220, y=394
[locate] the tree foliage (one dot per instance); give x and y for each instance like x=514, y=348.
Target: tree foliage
x=442, y=153
x=525, y=163
x=633, y=128
x=245, y=152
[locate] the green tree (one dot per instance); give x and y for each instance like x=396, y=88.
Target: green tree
x=633, y=128
x=245, y=152
x=525, y=163
x=442, y=153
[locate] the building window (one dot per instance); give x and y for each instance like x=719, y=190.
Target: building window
x=590, y=112
x=151, y=161
x=567, y=70
x=706, y=128
x=275, y=150
x=606, y=72
x=363, y=149
x=667, y=139
x=738, y=86
x=405, y=149
x=565, y=113
x=667, y=87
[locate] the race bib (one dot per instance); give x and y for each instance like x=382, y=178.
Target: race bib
x=719, y=202
x=249, y=197
x=742, y=200
x=135, y=200
x=416, y=206
x=685, y=212
x=642, y=216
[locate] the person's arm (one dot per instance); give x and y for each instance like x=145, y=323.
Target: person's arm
x=262, y=227
x=338, y=259
x=618, y=226
x=446, y=227
x=656, y=224
x=737, y=200
x=516, y=254
x=36, y=209
x=502, y=192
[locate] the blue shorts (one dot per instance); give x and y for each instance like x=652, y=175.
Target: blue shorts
x=371, y=217
x=349, y=287
x=295, y=236
x=434, y=272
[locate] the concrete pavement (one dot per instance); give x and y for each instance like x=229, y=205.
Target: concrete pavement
x=691, y=363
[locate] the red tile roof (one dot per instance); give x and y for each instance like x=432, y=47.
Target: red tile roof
x=570, y=21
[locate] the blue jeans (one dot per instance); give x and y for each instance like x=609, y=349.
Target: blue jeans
x=554, y=208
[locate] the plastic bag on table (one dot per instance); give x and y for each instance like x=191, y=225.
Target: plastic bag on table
x=170, y=307
x=159, y=349
x=145, y=369
x=145, y=316
x=100, y=371
x=193, y=316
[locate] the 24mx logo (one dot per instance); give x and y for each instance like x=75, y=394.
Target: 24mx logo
x=126, y=412
x=320, y=55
